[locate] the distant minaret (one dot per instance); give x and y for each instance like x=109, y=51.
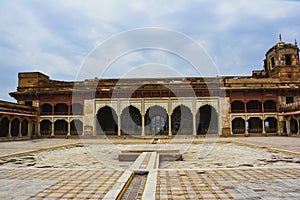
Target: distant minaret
x=280, y=38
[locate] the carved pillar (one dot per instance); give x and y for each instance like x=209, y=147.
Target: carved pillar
x=246, y=126
x=69, y=128
x=170, y=128
x=20, y=129
x=263, y=126
x=143, y=125
x=9, y=129
x=39, y=128
x=52, y=128
x=288, y=127
x=119, y=124
x=194, y=125
x=29, y=129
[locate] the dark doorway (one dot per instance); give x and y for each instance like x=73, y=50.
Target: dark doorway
x=24, y=128
x=4, y=127
x=107, y=121
x=15, y=127
x=294, y=126
x=271, y=125
x=46, y=127
x=76, y=127
x=60, y=127
x=182, y=121
x=156, y=121
x=238, y=126
x=254, y=125
x=207, y=120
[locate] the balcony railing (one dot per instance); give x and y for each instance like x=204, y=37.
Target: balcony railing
x=252, y=110
x=268, y=110
x=290, y=106
x=237, y=110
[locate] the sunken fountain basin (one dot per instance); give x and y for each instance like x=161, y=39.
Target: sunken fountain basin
x=166, y=153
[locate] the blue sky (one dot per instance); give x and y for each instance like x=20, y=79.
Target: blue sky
x=55, y=37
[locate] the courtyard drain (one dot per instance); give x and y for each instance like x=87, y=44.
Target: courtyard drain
x=136, y=187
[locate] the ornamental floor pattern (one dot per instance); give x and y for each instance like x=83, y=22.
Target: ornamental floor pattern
x=256, y=183
x=57, y=183
x=259, y=183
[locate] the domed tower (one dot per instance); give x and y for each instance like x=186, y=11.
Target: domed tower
x=282, y=61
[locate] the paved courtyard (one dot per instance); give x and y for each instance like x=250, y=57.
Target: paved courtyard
x=229, y=168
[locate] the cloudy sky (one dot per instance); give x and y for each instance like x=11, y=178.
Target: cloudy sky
x=57, y=37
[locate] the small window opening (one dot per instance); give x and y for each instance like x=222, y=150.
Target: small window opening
x=28, y=103
x=288, y=60
x=289, y=100
x=272, y=62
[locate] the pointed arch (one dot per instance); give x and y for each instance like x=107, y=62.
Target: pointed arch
x=294, y=126
x=156, y=121
x=46, y=127
x=255, y=125
x=15, y=127
x=61, y=109
x=24, y=127
x=46, y=109
x=271, y=125
x=107, y=121
x=76, y=127
x=238, y=125
x=207, y=120
x=182, y=121
x=131, y=121
x=4, y=127
x=61, y=127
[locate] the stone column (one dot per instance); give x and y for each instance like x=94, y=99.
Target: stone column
x=20, y=129
x=263, y=126
x=246, y=128
x=194, y=125
x=119, y=125
x=288, y=127
x=39, y=128
x=143, y=125
x=52, y=128
x=9, y=129
x=170, y=127
x=69, y=128
x=29, y=129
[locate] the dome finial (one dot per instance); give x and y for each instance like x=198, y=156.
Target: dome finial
x=280, y=39
x=295, y=41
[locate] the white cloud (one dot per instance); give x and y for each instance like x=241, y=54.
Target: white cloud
x=55, y=37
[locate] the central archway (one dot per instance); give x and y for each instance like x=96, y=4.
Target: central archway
x=207, y=120
x=156, y=121
x=255, y=125
x=107, y=121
